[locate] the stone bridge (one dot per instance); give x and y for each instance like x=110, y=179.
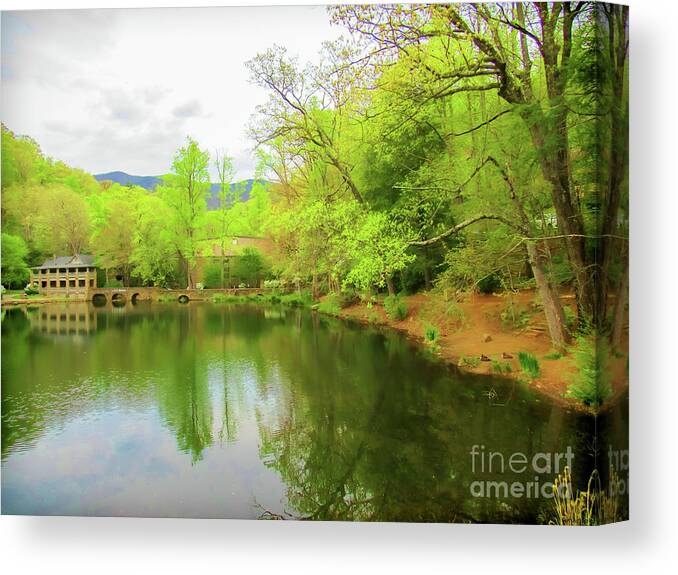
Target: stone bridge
x=135, y=294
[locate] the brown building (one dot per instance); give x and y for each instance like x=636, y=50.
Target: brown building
x=65, y=275
x=233, y=248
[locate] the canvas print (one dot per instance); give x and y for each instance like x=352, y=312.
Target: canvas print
x=348, y=263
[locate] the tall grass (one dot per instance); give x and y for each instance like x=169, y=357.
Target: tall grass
x=595, y=506
x=529, y=364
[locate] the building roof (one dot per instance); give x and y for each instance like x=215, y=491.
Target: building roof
x=76, y=261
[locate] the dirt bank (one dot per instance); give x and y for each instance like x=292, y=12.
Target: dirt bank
x=494, y=327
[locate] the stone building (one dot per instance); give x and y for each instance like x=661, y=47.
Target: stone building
x=65, y=275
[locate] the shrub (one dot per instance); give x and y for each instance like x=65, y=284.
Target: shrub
x=348, y=296
x=211, y=277
x=372, y=315
x=30, y=290
x=514, y=315
x=431, y=333
x=591, y=383
x=529, y=364
x=570, y=317
x=272, y=284
x=396, y=308
x=489, y=284
x=331, y=304
x=292, y=299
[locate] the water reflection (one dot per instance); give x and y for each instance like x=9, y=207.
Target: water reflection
x=222, y=411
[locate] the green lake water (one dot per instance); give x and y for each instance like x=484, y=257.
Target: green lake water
x=206, y=410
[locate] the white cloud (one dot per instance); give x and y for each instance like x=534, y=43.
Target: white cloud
x=121, y=89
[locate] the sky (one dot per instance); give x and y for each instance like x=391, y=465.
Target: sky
x=107, y=90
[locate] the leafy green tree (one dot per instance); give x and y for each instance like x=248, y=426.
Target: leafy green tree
x=153, y=257
x=15, y=272
x=185, y=192
x=249, y=266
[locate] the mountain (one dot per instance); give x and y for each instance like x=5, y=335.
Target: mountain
x=150, y=182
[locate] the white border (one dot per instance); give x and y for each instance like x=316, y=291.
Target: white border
x=645, y=544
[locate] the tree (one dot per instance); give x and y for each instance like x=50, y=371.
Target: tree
x=115, y=228
x=228, y=197
x=249, y=266
x=63, y=222
x=153, y=257
x=15, y=272
x=185, y=192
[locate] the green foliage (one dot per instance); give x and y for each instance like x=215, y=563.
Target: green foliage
x=471, y=362
x=297, y=299
x=529, y=364
x=514, y=316
x=331, y=304
x=395, y=307
x=15, y=272
x=212, y=276
x=250, y=267
x=570, y=317
x=431, y=333
x=591, y=383
x=501, y=367
x=553, y=355
x=489, y=283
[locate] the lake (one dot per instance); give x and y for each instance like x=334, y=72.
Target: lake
x=245, y=411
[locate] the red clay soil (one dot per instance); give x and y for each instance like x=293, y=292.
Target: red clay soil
x=482, y=334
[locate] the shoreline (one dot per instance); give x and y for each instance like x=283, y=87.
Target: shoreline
x=479, y=333
x=468, y=341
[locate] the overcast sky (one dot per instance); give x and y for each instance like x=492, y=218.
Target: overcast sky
x=108, y=90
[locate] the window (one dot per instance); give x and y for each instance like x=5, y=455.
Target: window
x=44, y=283
x=62, y=283
x=71, y=283
x=62, y=270
x=52, y=283
x=91, y=283
x=81, y=283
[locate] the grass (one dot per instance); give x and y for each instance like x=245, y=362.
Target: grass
x=396, y=308
x=501, y=367
x=297, y=299
x=591, y=383
x=431, y=337
x=553, y=355
x=469, y=361
x=594, y=506
x=330, y=305
x=529, y=364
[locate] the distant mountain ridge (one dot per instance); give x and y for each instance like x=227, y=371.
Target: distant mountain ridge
x=150, y=182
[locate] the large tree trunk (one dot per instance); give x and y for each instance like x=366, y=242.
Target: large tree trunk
x=553, y=309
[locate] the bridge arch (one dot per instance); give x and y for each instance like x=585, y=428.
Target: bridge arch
x=183, y=298
x=99, y=299
x=118, y=297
